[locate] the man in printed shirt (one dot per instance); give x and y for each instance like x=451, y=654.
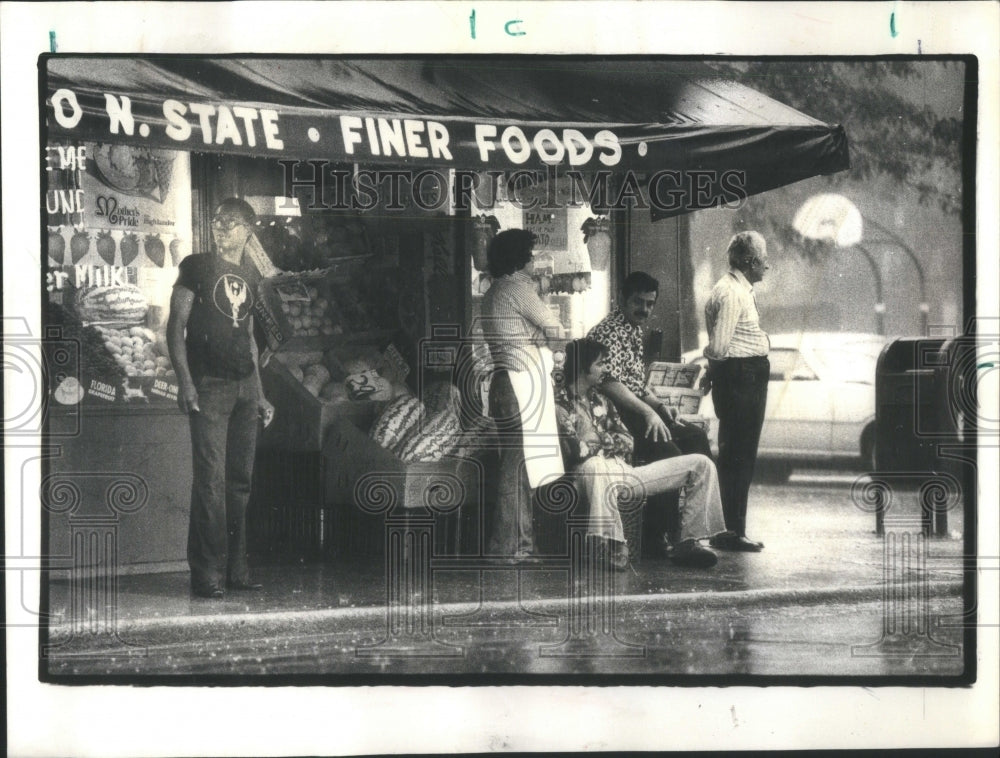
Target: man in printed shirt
x=737, y=375
x=653, y=424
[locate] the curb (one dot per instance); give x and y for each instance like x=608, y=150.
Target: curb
x=555, y=607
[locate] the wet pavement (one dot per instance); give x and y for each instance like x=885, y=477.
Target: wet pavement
x=813, y=603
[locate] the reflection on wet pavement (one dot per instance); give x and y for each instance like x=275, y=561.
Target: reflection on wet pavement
x=809, y=605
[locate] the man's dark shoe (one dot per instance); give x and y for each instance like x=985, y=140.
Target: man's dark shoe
x=208, y=591
x=245, y=586
x=690, y=554
x=735, y=543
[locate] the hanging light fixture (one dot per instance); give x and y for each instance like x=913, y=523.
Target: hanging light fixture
x=483, y=229
x=597, y=237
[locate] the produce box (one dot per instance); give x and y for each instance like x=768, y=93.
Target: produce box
x=299, y=308
x=664, y=374
x=302, y=418
x=686, y=401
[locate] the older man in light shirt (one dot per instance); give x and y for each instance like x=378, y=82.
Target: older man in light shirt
x=737, y=376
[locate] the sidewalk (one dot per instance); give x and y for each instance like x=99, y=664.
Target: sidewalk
x=821, y=550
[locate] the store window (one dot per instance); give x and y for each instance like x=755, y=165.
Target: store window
x=572, y=254
x=119, y=223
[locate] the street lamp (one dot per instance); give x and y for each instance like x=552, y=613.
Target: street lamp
x=894, y=238
x=835, y=219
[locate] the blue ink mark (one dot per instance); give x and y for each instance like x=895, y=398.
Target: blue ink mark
x=987, y=365
x=472, y=23
x=511, y=23
x=892, y=24
x=52, y=40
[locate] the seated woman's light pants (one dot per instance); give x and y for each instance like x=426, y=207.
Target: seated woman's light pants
x=607, y=482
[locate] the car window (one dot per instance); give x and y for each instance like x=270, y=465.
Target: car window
x=850, y=365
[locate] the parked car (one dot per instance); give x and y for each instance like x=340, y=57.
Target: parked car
x=820, y=400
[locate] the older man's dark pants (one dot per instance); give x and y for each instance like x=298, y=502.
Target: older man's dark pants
x=739, y=393
x=662, y=515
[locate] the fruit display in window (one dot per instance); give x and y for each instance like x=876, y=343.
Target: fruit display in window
x=94, y=357
x=155, y=250
x=106, y=248
x=57, y=245
x=398, y=419
x=111, y=304
x=129, y=247
x=315, y=377
x=312, y=315
x=137, y=352
x=79, y=245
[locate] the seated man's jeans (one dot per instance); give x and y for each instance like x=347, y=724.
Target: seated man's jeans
x=663, y=516
x=691, y=478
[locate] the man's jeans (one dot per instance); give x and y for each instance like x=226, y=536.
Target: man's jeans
x=223, y=442
x=662, y=516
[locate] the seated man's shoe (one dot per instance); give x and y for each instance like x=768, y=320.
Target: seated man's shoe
x=209, y=591
x=736, y=543
x=691, y=554
x=244, y=585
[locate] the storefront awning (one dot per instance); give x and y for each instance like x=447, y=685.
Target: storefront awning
x=702, y=135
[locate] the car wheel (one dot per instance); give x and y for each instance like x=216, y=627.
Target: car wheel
x=773, y=472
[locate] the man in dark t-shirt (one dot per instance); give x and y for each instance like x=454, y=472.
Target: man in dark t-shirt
x=212, y=347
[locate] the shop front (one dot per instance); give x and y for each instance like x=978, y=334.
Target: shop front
x=377, y=186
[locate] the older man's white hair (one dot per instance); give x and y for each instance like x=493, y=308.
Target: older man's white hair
x=745, y=248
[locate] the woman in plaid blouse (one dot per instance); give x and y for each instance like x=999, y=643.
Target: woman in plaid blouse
x=597, y=447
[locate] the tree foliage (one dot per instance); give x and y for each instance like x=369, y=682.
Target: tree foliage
x=893, y=133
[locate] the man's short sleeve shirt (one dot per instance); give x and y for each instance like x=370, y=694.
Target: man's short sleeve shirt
x=218, y=337
x=625, y=351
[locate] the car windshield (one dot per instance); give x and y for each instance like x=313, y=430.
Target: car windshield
x=850, y=364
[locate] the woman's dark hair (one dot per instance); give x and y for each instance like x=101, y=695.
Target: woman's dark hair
x=580, y=356
x=639, y=281
x=235, y=207
x=509, y=251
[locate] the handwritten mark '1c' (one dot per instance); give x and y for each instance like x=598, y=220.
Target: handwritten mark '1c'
x=516, y=32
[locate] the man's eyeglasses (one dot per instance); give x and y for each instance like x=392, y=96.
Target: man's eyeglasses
x=226, y=224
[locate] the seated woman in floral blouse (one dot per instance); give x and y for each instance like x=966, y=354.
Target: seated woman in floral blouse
x=597, y=447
